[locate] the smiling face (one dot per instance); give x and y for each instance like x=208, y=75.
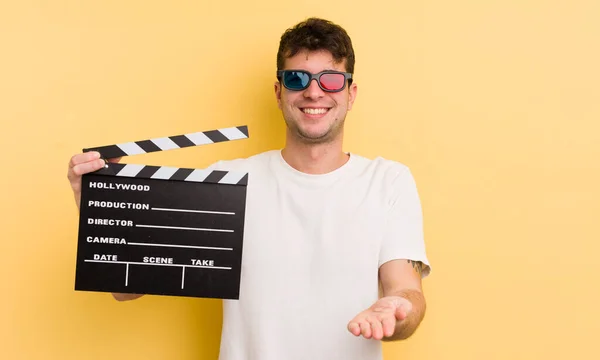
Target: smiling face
x=314, y=116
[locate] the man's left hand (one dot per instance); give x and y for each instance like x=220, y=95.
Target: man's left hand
x=380, y=319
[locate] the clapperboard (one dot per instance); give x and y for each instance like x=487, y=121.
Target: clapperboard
x=162, y=230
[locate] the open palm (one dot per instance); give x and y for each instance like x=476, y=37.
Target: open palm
x=380, y=319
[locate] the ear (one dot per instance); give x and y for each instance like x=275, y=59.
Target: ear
x=278, y=93
x=352, y=91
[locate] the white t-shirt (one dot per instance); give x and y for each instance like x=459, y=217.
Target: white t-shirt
x=312, y=248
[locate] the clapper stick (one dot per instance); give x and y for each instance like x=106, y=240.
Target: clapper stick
x=162, y=230
x=171, y=142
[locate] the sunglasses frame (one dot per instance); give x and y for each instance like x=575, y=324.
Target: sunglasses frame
x=317, y=76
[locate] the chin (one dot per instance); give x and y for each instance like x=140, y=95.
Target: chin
x=315, y=137
x=311, y=134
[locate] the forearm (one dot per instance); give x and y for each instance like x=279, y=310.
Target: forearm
x=405, y=328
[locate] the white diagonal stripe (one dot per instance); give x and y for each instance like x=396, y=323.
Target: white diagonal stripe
x=165, y=143
x=130, y=170
x=199, y=138
x=131, y=148
x=164, y=172
x=198, y=175
x=232, y=177
x=233, y=133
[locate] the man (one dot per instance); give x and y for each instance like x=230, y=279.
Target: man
x=333, y=246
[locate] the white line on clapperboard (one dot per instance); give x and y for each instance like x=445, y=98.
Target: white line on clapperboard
x=196, y=211
x=181, y=246
x=181, y=228
x=188, y=228
x=152, y=264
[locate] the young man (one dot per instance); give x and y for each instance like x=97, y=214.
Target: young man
x=333, y=247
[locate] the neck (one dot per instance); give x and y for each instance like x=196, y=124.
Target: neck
x=314, y=158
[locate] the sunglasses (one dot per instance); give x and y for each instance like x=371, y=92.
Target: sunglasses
x=328, y=80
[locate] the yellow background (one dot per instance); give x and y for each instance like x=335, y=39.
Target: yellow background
x=494, y=105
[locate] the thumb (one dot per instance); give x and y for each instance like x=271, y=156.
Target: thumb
x=401, y=312
x=403, y=308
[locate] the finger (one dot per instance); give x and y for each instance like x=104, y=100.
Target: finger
x=354, y=328
x=376, y=328
x=365, y=329
x=115, y=160
x=84, y=157
x=389, y=325
x=87, y=167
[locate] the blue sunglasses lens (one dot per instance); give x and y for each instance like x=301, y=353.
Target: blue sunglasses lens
x=296, y=80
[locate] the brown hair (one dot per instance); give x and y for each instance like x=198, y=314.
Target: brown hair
x=316, y=34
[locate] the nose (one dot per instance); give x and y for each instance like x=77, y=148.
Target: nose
x=313, y=91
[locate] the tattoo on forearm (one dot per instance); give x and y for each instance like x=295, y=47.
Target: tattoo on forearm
x=417, y=265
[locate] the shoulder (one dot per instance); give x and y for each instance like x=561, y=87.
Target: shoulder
x=389, y=177
x=382, y=168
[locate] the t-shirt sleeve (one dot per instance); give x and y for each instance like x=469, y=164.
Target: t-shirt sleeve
x=403, y=234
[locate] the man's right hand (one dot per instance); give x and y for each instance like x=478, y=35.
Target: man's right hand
x=81, y=164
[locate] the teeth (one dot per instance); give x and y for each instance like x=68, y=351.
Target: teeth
x=315, y=111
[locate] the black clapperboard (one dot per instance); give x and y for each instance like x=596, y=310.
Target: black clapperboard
x=162, y=230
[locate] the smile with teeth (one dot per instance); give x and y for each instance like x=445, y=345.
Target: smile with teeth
x=315, y=111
